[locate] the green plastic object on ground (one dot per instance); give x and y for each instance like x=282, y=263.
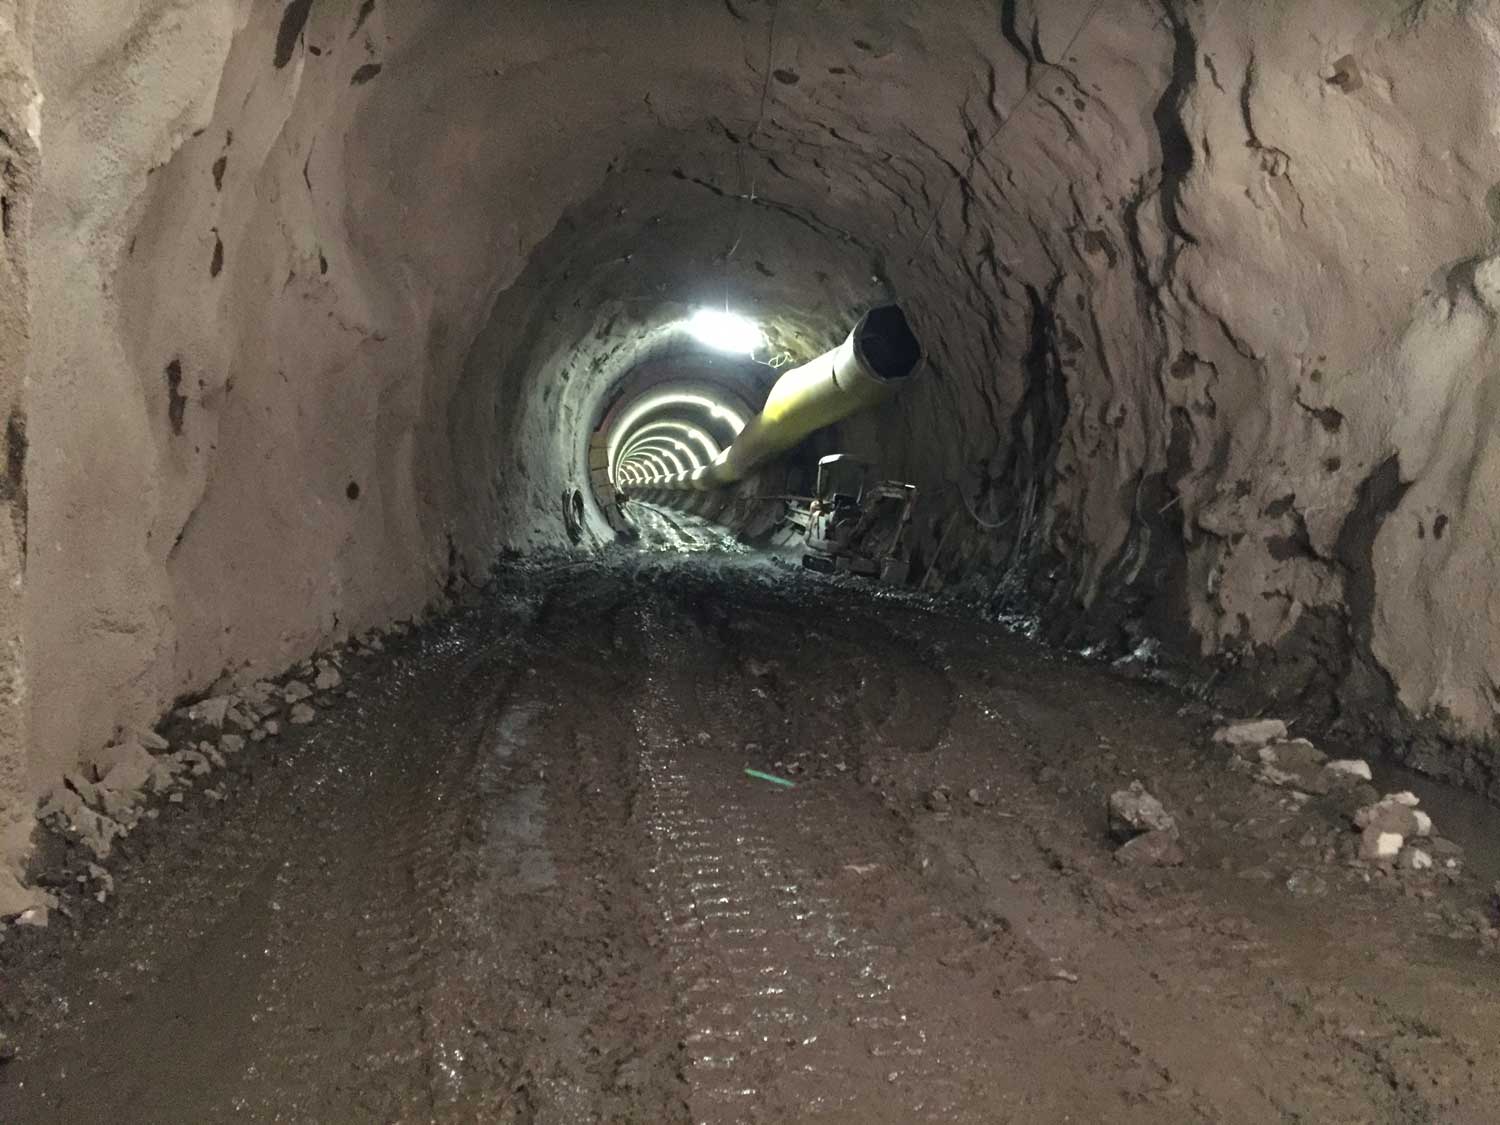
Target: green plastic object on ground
x=772, y=778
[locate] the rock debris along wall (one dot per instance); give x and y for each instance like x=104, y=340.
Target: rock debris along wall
x=19, y=134
x=325, y=294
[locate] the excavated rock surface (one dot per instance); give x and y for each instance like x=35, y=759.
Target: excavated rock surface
x=325, y=295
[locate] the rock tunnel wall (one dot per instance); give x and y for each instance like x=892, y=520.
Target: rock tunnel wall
x=317, y=299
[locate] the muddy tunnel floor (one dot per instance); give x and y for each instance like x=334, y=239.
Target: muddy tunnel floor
x=519, y=874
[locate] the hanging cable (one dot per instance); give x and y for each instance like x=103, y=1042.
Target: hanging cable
x=747, y=184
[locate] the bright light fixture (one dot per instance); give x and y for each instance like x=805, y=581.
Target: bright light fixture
x=625, y=427
x=726, y=332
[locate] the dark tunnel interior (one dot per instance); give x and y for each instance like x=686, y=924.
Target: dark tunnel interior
x=869, y=560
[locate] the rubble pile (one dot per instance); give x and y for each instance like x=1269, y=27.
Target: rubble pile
x=1393, y=832
x=121, y=785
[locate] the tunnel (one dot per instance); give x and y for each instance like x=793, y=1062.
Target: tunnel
x=417, y=418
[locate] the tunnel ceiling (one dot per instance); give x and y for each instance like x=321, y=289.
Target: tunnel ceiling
x=326, y=297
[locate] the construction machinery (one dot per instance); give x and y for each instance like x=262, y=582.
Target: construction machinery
x=858, y=524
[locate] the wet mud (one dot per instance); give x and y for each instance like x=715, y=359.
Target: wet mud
x=519, y=874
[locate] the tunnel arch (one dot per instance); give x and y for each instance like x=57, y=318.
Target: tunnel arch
x=421, y=249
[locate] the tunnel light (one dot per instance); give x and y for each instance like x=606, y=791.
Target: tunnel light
x=705, y=442
x=663, y=444
x=670, y=457
x=623, y=432
x=726, y=332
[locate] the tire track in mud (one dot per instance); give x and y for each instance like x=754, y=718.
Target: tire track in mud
x=511, y=882
x=790, y=1010
x=553, y=1007
x=342, y=1024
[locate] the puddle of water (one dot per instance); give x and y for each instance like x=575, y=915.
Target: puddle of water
x=520, y=825
x=511, y=731
x=518, y=830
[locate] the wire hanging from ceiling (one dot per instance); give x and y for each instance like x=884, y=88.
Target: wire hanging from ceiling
x=747, y=182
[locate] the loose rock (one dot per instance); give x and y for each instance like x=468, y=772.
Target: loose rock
x=1349, y=794
x=1376, y=846
x=1134, y=811
x=1350, y=767
x=210, y=711
x=122, y=765
x=15, y=898
x=82, y=786
x=1394, y=816
x=296, y=691
x=1251, y=733
x=164, y=773
x=1414, y=859
x=36, y=916
x=1296, y=754
x=1152, y=849
x=302, y=714
x=152, y=741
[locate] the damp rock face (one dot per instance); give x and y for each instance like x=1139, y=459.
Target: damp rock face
x=1206, y=292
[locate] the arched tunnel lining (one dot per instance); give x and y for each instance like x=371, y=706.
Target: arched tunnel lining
x=275, y=396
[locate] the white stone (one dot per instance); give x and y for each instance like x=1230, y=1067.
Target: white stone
x=1381, y=845
x=211, y=711
x=1354, y=767
x=1416, y=859
x=1251, y=733
x=35, y=916
x=302, y=714
x=1405, y=797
